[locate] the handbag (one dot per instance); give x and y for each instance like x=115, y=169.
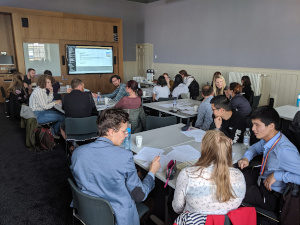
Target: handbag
x=171, y=171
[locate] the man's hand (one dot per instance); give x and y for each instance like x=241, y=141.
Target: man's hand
x=95, y=95
x=244, y=162
x=269, y=181
x=155, y=165
x=69, y=90
x=218, y=122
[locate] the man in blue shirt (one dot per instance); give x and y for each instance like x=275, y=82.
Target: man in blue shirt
x=280, y=165
x=120, y=90
x=204, y=118
x=106, y=170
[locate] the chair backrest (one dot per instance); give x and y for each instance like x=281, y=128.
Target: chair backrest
x=91, y=210
x=137, y=119
x=153, y=122
x=81, y=128
x=3, y=92
x=164, y=99
x=255, y=101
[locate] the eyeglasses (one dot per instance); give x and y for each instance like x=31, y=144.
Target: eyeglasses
x=124, y=131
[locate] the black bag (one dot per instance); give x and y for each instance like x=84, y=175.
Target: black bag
x=44, y=139
x=290, y=214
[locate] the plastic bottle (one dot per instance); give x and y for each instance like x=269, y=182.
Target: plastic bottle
x=98, y=98
x=247, y=137
x=174, y=103
x=127, y=140
x=298, y=101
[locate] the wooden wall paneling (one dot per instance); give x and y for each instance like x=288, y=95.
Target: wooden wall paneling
x=6, y=43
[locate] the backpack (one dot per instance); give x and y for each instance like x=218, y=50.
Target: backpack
x=194, y=89
x=44, y=139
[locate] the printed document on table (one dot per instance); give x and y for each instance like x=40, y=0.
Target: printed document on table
x=184, y=153
x=148, y=154
x=198, y=134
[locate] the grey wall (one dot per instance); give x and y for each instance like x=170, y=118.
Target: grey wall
x=244, y=33
x=130, y=12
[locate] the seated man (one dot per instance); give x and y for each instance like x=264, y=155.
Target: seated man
x=77, y=103
x=231, y=123
x=204, y=118
x=280, y=165
x=120, y=92
x=106, y=170
x=27, y=80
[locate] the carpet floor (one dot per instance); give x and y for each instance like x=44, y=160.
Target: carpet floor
x=33, y=186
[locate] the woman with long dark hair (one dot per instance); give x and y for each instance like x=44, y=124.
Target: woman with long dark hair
x=247, y=90
x=161, y=90
x=179, y=87
x=133, y=101
x=238, y=101
x=212, y=186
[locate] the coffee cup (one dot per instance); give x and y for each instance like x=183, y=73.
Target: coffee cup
x=106, y=100
x=139, y=141
x=144, y=93
x=196, y=108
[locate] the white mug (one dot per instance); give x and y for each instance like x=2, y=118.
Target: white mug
x=196, y=108
x=144, y=93
x=139, y=141
x=106, y=100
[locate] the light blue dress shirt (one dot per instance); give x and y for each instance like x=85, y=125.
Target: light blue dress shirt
x=107, y=171
x=283, y=161
x=204, y=117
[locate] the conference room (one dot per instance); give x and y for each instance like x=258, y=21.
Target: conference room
x=132, y=55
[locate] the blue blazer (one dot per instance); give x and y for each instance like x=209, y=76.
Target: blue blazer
x=107, y=171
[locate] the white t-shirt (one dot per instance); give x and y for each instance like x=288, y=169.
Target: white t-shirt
x=180, y=89
x=161, y=92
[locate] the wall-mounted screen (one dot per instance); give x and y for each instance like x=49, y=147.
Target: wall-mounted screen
x=83, y=59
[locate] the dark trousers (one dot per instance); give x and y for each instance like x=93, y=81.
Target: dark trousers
x=259, y=195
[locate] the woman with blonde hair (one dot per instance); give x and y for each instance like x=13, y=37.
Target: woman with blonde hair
x=212, y=186
x=219, y=85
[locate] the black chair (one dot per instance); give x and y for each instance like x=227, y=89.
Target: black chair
x=255, y=101
x=164, y=99
x=80, y=129
x=6, y=103
x=153, y=122
x=91, y=210
x=293, y=131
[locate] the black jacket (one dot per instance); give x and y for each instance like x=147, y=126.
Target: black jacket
x=78, y=104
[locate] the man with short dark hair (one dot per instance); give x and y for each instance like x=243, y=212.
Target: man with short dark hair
x=231, y=123
x=77, y=103
x=28, y=79
x=104, y=169
x=204, y=118
x=118, y=93
x=280, y=165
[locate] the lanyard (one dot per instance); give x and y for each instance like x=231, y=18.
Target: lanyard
x=264, y=160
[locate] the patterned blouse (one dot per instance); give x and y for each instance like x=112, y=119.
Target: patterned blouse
x=195, y=192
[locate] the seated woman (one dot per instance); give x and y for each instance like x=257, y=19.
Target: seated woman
x=17, y=89
x=55, y=85
x=239, y=102
x=219, y=84
x=161, y=90
x=212, y=186
x=179, y=87
x=247, y=90
x=170, y=82
x=133, y=101
x=41, y=104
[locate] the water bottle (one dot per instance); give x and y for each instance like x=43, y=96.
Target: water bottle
x=298, y=101
x=247, y=137
x=174, y=103
x=127, y=140
x=98, y=98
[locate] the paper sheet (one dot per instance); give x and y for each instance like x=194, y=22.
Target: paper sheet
x=198, y=134
x=166, y=105
x=184, y=153
x=148, y=154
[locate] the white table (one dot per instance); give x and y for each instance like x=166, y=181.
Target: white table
x=287, y=112
x=63, y=90
x=167, y=137
x=167, y=106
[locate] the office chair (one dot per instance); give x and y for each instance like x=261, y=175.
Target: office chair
x=153, y=122
x=91, y=210
x=80, y=129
